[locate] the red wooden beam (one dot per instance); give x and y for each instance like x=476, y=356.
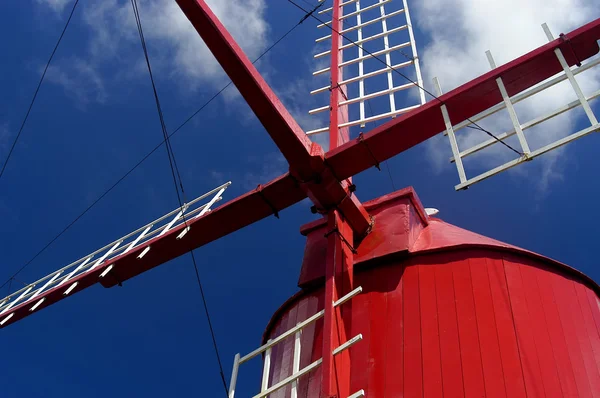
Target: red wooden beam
x=466, y=101
x=281, y=126
x=339, y=281
x=339, y=272
x=253, y=206
x=337, y=136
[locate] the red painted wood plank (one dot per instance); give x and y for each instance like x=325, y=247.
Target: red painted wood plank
x=432, y=367
x=488, y=333
x=468, y=333
x=507, y=339
x=563, y=292
x=452, y=373
x=246, y=209
x=377, y=342
x=334, y=263
x=413, y=365
x=595, y=307
x=394, y=361
x=581, y=335
x=528, y=351
x=590, y=326
x=539, y=328
x=556, y=333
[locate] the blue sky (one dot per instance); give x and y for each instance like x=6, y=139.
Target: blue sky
x=95, y=118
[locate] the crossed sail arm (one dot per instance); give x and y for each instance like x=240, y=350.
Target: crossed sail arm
x=464, y=102
x=164, y=239
x=120, y=260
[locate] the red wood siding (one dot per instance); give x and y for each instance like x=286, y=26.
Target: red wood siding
x=470, y=323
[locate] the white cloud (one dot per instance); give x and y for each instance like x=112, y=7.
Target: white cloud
x=460, y=32
x=176, y=49
x=56, y=5
x=296, y=97
x=80, y=81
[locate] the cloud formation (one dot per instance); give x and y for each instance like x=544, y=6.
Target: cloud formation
x=460, y=31
x=175, y=48
x=56, y=5
x=80, y=81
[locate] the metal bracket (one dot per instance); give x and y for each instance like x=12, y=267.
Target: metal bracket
x=311, y=12
x=337, y=86
x=361, y=139
x=337, y=231
x=262, y=195
x=566, y=39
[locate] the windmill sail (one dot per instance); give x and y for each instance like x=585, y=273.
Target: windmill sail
x=519, y=127
x=378, y=62
x=102, y=265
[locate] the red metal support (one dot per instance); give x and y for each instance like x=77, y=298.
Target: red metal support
x=339, y=280
x=339, y=273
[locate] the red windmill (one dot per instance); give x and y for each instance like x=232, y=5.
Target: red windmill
x=429, y=309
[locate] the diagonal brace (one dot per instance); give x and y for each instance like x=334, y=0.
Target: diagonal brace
x=279, y=123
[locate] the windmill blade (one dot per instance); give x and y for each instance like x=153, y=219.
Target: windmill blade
x=519, y=128
x=151, y=245
x=464, y=102
x=371, y=34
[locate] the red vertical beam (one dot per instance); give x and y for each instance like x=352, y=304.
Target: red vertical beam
x=411, y=316
x=468, y=331
x=339, y=264
x=430, y=333
x=394, y=334
x=338, y=113
x=337, y=322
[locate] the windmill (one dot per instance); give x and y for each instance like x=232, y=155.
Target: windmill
x=354, y=233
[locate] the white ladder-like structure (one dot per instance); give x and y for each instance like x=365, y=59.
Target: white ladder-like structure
x=518, y=127
x=375, y=35
x=297, y=373
x=66, y=277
